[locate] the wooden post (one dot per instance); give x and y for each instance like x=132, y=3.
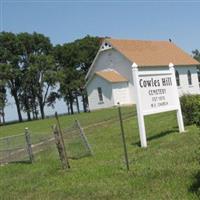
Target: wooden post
x=60, y=148
x=28, y=142
x=84, y=137
x=59, y=130
x=123, y=137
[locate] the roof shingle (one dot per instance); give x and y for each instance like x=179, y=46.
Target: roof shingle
x=152, y=53
x=111, y=76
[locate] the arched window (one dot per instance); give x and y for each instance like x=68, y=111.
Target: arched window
x=177, y=78
x=189, y=77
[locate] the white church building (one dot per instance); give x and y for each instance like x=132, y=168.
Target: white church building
x=110, y=77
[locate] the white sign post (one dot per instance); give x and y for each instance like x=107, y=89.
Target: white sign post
x=156, y=92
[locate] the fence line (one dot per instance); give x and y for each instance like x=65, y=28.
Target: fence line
x=21, y=152
x=11, y=146
x=11, y=136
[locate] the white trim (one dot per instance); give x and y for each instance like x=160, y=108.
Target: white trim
x=147, y=73
x=101, y=50
x=93, y=63
x=141, y=113
x=171, y=65
x=88, y=81
x=140, y=116
x=179, y=112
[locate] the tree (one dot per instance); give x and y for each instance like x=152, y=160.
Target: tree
x=196, y=55
x=44, y=77
x=74, y=60
x=27, y=67
x=38, y=72
x=27, y=97
x=3, y=101
x=64, y=56
x=69, y=79
x=10, y=70
x=30, y=69
x=86, y=49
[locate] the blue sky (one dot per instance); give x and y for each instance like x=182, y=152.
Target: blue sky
x=64, y=21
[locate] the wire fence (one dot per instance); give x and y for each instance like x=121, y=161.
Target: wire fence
x=76, y=142
x=17, y=149
x=127, y=112
x=12, y=146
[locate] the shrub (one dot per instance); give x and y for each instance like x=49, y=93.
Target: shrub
x=190, y=105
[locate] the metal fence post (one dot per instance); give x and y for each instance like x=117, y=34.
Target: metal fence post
x=28, y=143
x=123, y=137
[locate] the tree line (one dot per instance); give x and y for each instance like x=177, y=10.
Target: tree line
x=36, y=73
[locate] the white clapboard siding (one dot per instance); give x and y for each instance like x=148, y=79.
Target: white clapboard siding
x=121, y=93
x=112, y=59
x=93, y=97
x=184, y=87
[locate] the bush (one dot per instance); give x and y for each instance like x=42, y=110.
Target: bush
x=190, y=105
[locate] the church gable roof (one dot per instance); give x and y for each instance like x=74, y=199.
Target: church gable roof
x=152, y=53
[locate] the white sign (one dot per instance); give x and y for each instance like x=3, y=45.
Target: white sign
x=156, y=92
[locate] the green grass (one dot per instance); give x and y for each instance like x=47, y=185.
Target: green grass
x=40, y=128
x=164, y=170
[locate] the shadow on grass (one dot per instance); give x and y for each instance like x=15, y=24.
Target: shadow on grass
x=21, y=162
x=157, y=136
x=162, y=134
x=195, y=187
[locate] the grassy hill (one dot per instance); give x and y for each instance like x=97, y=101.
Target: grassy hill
x=167, y=169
